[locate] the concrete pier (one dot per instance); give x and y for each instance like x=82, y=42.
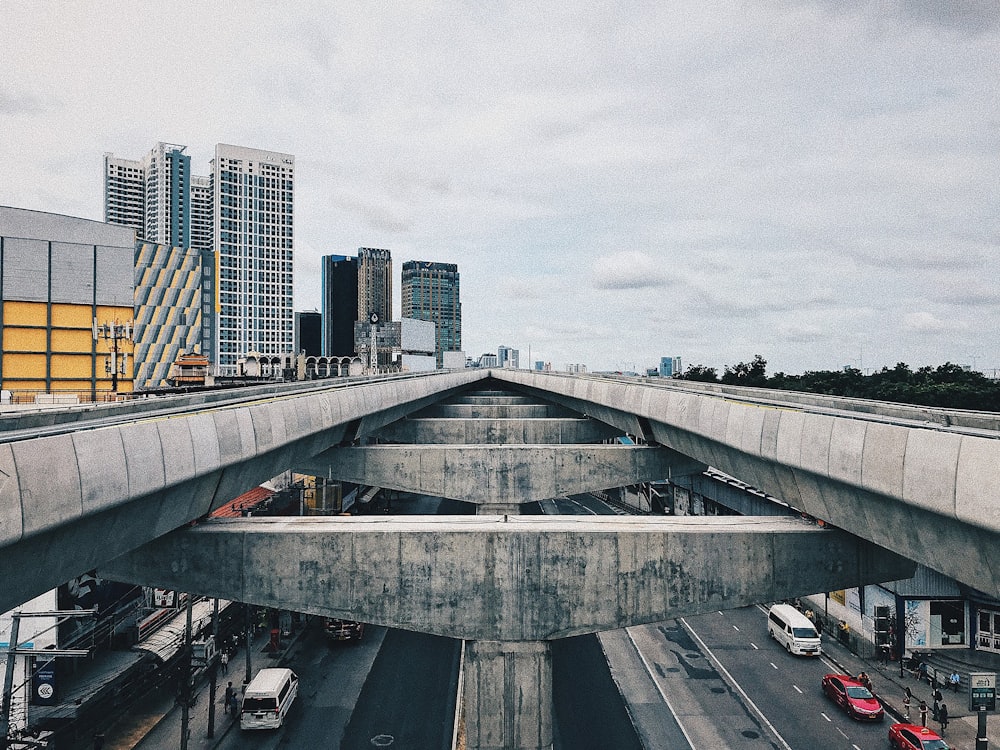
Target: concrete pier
x=508, y=695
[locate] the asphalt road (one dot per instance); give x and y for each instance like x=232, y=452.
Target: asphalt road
x=784, y=689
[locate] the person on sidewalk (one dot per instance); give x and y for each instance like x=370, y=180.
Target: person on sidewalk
x=907, y=699
x=937, y=702
x=230, y=695
x=943, y=717
x=923, y=712
x=955, y=679
x=224, y=661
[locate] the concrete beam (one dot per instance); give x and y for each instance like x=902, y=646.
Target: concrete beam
x=71, y=501
x=519, y=578
x=485, y=474
x=924, y=490
x=554, y=430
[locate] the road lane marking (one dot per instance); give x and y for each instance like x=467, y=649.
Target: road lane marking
x=659, y=689
x=736, y=629
x=736, y=686
x=826, y=717
x=843, y=733
x=797, y=689
x=774, y=665
x=754, y=645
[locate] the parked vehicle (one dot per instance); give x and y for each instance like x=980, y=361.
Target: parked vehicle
x=852, y=697
x=915, y=737
x=268, y=698
x=343, y=630
x=793, y=630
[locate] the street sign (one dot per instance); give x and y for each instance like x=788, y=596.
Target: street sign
x=982, y=691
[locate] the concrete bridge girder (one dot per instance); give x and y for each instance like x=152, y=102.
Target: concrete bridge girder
x=924, y=492
x=510, y=431
x=499, y=474
x=126, y=484
x=451, y=576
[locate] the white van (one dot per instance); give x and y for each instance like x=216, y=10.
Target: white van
x=793, y=630
x=268, y=698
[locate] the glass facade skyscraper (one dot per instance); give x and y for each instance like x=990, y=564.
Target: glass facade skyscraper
x=430, y=291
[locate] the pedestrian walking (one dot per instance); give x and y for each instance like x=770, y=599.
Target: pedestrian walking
x=937, y=702
x=923, y=712
x=230, y=696
x=224, y=661
x=98, y=741
x=907, y=699
x=943, y=717
x=234, y=706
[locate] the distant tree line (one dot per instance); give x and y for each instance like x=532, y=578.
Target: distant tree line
x=948, y=385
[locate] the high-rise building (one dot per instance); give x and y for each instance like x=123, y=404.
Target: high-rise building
x=125, y=193
x=374, y=283
x=155, y=195
x=241, y=220
x=430, y=291
x=253, y=245
x=339, y=282
x=308, y=328
x=508, y=357
x=670, y=366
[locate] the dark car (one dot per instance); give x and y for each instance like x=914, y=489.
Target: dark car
x=343, y=630
x=915, y=737
x=854, y=698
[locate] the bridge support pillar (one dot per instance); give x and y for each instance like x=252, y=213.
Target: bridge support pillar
x=508, y=695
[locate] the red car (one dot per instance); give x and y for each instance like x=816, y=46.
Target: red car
x=915, y=737
x=854, y=698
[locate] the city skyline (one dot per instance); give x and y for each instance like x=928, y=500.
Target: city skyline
x=815, y=182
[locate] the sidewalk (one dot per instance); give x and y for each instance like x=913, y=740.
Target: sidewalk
x=157, y=724
x=890, y=689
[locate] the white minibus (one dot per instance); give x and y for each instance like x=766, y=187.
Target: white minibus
x=268, y=698
x=793, y=630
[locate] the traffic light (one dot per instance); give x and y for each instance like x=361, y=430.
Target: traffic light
x=882, y=626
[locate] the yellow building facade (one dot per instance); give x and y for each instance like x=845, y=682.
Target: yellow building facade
x=66, y=290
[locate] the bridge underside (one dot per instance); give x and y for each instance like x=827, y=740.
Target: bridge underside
x=500, y=474
x=453, y=576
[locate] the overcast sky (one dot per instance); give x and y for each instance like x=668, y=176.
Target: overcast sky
x=814, y=181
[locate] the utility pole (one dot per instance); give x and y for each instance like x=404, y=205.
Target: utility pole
x=117, y=361
x=214, y=669
x=184, y=693
x=14, y=649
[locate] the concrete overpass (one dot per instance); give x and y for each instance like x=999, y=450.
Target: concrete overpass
x=511, y=584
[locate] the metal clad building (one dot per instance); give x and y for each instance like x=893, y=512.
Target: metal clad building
x=57, y=275
x=168, y=309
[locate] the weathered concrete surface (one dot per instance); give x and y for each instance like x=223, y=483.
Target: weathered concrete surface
x=498, y=431
x=72, y=501
x=499, y=473
x=930, y=493
x=502, y=411
x=523, y=578
x=508, y=695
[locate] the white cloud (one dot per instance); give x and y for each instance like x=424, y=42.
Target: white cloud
x=925, y=322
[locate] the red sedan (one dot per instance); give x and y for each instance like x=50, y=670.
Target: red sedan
x=854, y=698
x=915, y=737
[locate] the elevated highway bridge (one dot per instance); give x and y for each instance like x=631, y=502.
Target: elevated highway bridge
x=116, y=488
